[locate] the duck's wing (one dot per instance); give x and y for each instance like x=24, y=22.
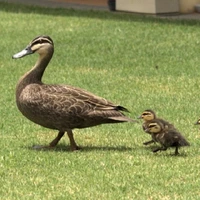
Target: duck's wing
x=80, y=95
x=67, y=100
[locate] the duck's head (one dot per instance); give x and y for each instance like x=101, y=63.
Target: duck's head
x=154, y=127
x=198, y=122
x=41, y=44
x=147, y=115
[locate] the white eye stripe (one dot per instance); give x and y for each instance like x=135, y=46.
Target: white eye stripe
x=41, y=39
x=37, y=43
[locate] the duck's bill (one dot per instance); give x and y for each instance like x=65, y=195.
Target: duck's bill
x=23, y=53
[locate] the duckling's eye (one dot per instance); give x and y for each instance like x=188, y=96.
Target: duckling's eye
x=145, y=114
x=151, y=126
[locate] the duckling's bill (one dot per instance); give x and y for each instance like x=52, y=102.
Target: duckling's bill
x=197, y=122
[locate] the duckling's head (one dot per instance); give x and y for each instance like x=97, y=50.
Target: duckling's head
x=147, y=115
x=41, y=44
x=198, y=122
x=154, y=127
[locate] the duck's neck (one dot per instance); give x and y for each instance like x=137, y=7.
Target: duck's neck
x=36, y=73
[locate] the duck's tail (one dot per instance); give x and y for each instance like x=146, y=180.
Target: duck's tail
x=122, y=117
x=121, y=108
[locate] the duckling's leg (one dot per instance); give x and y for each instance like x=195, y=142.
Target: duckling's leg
x=57, y=139
x=157, y=149
x=73, y=144
x=176, y=151
x=148, y=142
x=160, y=149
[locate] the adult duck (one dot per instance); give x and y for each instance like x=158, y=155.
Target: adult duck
x=60, y=107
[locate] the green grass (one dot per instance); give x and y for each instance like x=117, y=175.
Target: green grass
x=113, y=55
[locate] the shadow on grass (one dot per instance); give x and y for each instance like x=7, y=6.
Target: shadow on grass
x=63, y=148
x=105, y=15
x=66, y=148
x=168, y=153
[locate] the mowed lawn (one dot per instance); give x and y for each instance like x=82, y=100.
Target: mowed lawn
x=135, y=61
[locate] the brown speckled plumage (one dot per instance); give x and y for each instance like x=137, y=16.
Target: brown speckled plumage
x=149, y=115
x=60, y=107
x=166, y=137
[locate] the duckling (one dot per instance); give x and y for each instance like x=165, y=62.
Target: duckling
x=149, y=115
x=166, y=137
x=60, y=107
x=198, y=122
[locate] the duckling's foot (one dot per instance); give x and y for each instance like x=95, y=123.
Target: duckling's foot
x=160, y=149
x=157, y=149
x=148, y=142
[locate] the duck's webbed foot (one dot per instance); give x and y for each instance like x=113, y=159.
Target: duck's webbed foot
x=73, y=145
x=52, y=144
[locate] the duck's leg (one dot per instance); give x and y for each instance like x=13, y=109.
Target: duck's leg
x=57, y=139
x=52, y=144
x=73, y=144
